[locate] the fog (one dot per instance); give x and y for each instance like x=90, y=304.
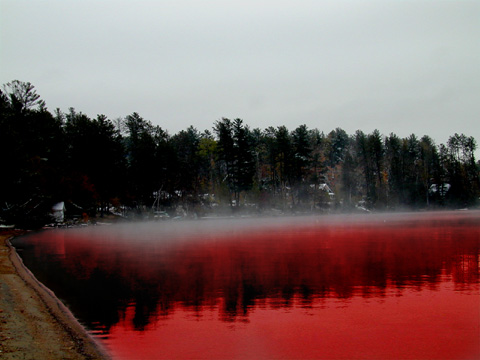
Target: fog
x=213, y=285
x=171, y=231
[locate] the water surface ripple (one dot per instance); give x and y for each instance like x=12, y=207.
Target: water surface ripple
x=386, y=287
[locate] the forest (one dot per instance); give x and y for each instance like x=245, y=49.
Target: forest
x=135, y=169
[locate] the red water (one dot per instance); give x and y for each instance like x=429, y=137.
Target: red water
x=403, y=287
x=427, y=325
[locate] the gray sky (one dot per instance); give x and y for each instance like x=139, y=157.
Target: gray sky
x=396, y=66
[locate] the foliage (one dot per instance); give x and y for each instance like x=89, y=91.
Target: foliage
x=94, y=164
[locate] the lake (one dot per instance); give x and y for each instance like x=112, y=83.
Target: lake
x=401, y=286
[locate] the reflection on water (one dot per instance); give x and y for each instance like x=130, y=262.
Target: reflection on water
x=403, y=286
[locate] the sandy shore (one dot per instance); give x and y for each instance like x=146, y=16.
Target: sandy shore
x=34, y=324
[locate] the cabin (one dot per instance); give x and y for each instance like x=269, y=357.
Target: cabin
x=441, y=189
x=58, y=212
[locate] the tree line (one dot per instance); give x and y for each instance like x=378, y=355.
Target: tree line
x=129, y=164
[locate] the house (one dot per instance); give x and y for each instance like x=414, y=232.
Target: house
x=58, y=212
x=442, y=189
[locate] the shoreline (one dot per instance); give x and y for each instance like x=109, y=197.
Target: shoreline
x=34, y=323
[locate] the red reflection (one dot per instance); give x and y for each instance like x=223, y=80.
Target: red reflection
x=430, y=325
x=395, y=287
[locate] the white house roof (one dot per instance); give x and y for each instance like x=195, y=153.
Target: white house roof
x=60, y=206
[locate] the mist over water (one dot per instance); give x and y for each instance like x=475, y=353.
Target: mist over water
x=264, y=288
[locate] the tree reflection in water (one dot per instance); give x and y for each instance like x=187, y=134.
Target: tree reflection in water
x=243, y=265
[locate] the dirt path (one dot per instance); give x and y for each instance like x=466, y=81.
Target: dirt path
x=34, y=324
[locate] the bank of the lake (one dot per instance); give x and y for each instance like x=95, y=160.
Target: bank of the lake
x=34, y=324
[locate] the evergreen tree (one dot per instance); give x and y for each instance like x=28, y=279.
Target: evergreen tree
x=146, y=164
x=95, y=166
x=207, y=155
x=337, y=146
x=428, y=167
x=185, y=146
x=411, y=174
x=462, y=171
x=31, y=151
x=363, y=158
x=375, y=152
x=235, y=145
x=22, y=96
x=284, y=162
x=269, y=159
x=95, y=162
x=244, y=163
x=226, y=155
x=394, y=169
x=302, y=157
x=348, y=181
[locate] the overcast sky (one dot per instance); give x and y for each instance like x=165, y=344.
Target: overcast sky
x=396, y=66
